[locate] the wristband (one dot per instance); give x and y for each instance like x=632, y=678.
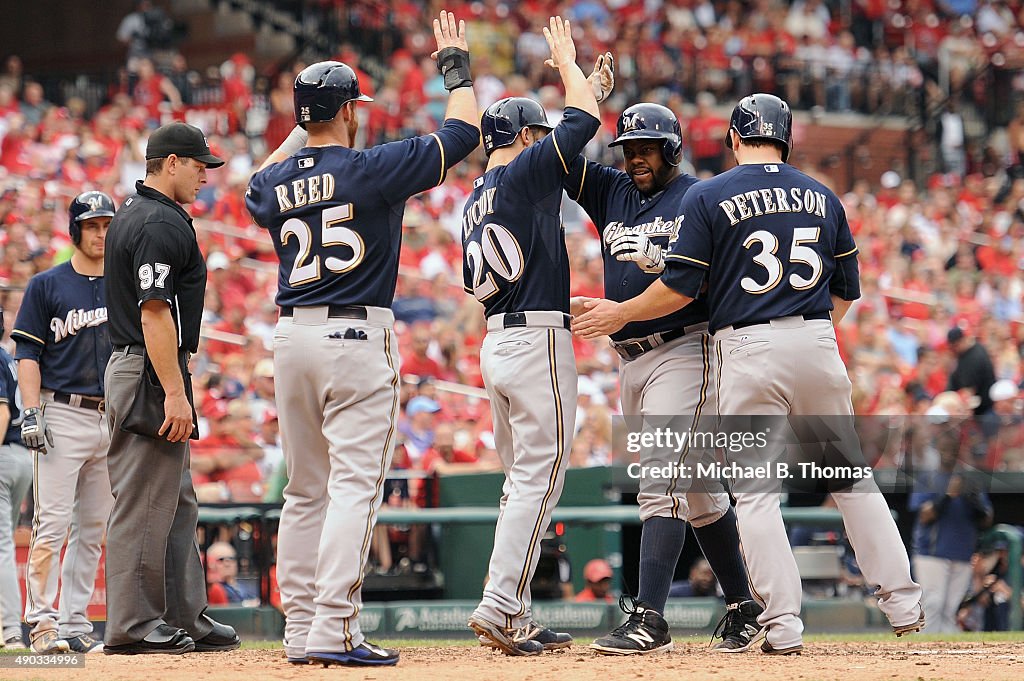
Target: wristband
x=453, y=64
x=296, y=140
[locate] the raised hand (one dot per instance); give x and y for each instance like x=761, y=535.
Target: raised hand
x=559, y=36
x=447, y=34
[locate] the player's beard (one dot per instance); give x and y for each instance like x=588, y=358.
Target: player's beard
x=656, y=181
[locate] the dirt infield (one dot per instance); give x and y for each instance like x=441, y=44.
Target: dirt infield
x=850, y=661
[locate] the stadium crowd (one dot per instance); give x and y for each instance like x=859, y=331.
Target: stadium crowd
x=937, y=255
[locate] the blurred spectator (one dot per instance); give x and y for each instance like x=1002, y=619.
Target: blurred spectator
x=144, y=29
x=222, y=585
x=224, y=464
x=951, y=510
x=973, y=372
x=987, y=608
x=597, y=574
x=951, y=136
x=33, y=103
x=418, y=428
x=705, y=135
x=1006, y=446
x=701, y=582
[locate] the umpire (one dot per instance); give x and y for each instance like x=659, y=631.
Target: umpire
x=155, y=285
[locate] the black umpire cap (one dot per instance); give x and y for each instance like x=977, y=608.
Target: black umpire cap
x=181, y=139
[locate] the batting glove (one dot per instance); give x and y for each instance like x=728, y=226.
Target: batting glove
x=602, y=80
x=35, y=434
x=639, y=249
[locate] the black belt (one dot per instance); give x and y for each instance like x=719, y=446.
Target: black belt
x=83, y=401
x=140, y=350
x=333, y=311
x=510, y=319
x=633, y=349
x=807, y=317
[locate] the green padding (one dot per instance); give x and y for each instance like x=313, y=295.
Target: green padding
x=231, y=514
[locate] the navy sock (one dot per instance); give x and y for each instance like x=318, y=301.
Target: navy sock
x=720, y=542
x=661, y=542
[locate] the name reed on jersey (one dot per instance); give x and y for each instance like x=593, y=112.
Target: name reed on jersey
x=305, y=191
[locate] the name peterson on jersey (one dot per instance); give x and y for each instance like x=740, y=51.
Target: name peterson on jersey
x=658, y=227
x=75, y=321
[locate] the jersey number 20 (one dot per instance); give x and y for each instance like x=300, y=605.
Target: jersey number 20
x=306, y=269
x=767, y=259
x=501, y=253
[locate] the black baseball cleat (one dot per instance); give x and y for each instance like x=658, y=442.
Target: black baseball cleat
x=738, y=629
x=221, y=638
x=363, y=655
x=645, y=632
x=769, y=649
x=509, y=641
x=551, y=640
x=165, y=639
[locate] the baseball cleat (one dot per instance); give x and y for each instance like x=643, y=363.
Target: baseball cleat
x=769, y=649
x=48, y=643
x=365, y=654
x=738, y=628
x=551, y=640
x=509, y=641
x=645, y=632
x=84, y=643
x=909, y=628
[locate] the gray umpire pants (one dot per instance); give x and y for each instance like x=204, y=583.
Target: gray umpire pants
x=530, y=376
x=15, y=479
x=154, y=573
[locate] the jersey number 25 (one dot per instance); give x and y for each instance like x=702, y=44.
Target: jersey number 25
x=306, y=269
x=497, y=251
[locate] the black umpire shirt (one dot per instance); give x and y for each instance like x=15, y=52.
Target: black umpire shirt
x=152, y=254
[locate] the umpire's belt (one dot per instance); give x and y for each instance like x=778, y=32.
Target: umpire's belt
x=510, y=320
x=82, y=401
x=135, y=349
x=333, y=311
x=633, y=348
x=811, y=316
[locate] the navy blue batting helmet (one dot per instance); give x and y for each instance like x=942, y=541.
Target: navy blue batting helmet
x=85, y=206
x=764, y=117
x=651, y=122
x=322, y=88
x=506, y=118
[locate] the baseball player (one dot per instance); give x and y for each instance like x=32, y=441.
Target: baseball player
x=63, y=345
x=775, y=252
x=15, y=479
x=335, y=216
x=515, y=263
x=666, y=369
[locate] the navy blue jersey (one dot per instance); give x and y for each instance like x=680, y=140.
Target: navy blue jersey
x=767, y=239
x=616, y=206
x=9, y=396
x=514, y=257
x=335, y=214
x=62, y=324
